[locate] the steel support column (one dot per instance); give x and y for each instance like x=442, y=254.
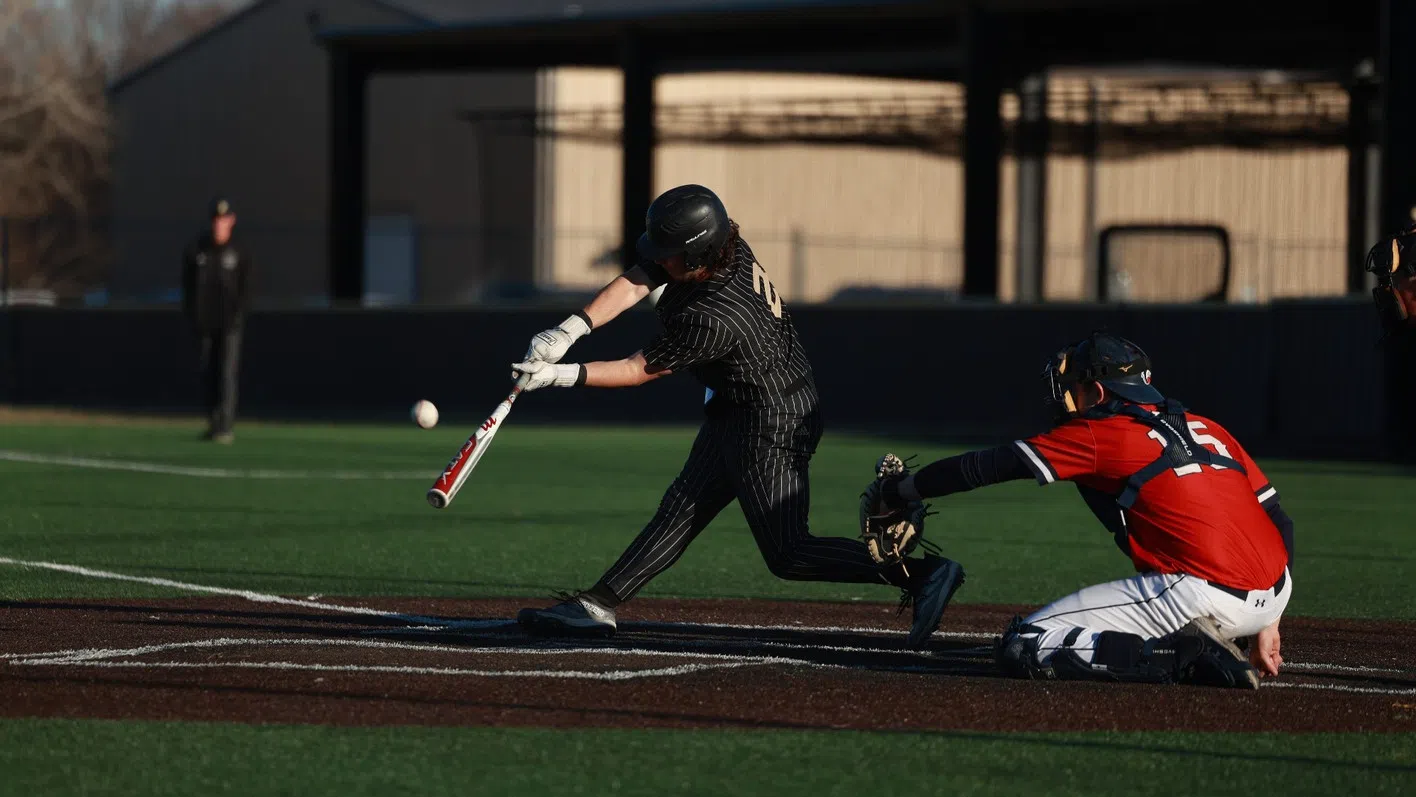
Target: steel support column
x=637, y=166
x=1032, y=188
x=983, y=152
x=1361, y=97
x=348, y=178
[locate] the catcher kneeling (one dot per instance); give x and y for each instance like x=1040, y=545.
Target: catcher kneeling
x=1183, y=500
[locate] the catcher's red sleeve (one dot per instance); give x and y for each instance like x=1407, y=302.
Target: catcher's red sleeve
x=1064, y=453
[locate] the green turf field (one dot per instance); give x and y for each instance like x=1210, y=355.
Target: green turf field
x=53, y=757
x=548, y=509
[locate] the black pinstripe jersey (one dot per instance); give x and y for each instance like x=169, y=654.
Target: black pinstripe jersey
x=736, y=337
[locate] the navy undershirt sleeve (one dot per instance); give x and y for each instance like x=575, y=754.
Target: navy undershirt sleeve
x=971, y=471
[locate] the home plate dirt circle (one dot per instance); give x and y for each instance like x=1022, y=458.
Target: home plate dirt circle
x=673, y=664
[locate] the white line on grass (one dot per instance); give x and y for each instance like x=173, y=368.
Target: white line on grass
x=440, y=624
x=255, y=597
x=206, y=473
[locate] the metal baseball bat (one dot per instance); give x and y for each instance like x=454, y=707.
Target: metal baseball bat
x=461, y=466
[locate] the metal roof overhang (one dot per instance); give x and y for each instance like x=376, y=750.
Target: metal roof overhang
x=906, y=39
x=931, y=40
x=901, y=39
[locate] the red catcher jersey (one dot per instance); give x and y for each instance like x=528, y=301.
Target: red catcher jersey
x=1203, y=520
x=1405, y=289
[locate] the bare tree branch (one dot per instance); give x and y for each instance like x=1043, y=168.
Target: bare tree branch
x=56, y=131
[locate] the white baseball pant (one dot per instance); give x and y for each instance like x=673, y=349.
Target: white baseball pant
x=1152, y=605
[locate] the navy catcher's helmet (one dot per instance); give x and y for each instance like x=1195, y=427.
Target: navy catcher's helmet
x=1115, y=363
x=1393, y=261
x=689, y=220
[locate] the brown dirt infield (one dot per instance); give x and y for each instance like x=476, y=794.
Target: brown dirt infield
x=718, y=663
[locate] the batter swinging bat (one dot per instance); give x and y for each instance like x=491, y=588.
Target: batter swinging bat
x=457, y=471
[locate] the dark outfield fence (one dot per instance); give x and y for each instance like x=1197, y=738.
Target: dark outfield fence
x=1289, y=378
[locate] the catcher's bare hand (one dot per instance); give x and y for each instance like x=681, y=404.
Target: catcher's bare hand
x=1264, y=652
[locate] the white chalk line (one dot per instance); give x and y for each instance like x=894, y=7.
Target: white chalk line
x=418, y=621
x=680, y=643
x=687, y=627
x=96, y=654
x=107, y=658
x=207, y=473
x=810, y=629
x=606, y=675
x=1365, y=690
x=769, y=643
x=1347, y=668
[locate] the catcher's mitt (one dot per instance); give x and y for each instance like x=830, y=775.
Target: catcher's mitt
x=890, y=527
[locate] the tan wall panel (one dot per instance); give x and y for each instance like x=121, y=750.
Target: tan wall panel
x=829, y=197
x=893, y=217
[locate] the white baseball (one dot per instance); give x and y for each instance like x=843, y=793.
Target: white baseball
x=425, y=414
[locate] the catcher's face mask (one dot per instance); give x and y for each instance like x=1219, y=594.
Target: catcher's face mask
x=1393, y=261
x=1058, y=382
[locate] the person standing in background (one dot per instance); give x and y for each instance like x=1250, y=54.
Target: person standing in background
x=215, y=290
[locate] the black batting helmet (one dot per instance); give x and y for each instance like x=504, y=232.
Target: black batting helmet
x=1115, y=363
x=689, y=220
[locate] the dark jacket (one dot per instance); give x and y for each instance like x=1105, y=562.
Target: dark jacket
x=215, y=284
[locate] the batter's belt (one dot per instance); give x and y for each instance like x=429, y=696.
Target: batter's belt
x=720, y=405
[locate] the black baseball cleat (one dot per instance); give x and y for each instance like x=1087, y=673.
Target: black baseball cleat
x=575, y=615
x=1219, y=663
x=933, y=582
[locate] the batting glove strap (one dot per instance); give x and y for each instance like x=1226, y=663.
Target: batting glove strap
x=569, y=375
x=536, y=374
x=577, y=326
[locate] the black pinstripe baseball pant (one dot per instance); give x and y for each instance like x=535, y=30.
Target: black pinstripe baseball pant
x=761, y=461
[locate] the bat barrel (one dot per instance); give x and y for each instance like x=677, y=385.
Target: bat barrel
x=468, y=456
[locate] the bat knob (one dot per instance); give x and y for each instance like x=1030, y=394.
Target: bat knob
x=437, y=499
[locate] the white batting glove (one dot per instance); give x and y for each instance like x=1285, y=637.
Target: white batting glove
x=535, y=374
x=550, y=346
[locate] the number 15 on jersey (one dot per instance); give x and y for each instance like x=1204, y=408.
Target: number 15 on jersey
x=1203, y=439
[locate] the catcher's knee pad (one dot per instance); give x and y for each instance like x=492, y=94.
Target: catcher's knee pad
x=1128, y=658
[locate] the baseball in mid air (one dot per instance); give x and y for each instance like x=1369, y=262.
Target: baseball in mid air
x=425, y=414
